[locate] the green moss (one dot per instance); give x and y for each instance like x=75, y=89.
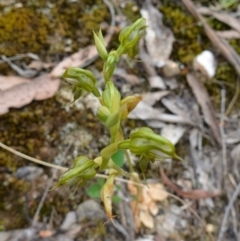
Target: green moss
x=12, y=191
x=23, y=30
x=43, y=29
x=235, y=43
x=187, y=32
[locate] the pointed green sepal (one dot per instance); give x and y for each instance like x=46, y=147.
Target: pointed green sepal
x=99, y=42
x=110, y=65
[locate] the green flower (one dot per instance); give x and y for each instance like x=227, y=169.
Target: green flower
x=130, y=36
x=82, y=80
x=145, y=142
x=83, y=170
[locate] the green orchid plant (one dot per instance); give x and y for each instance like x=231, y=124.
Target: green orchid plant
x=144, y=142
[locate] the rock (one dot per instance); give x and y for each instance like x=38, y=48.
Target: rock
x=4, y=236
x=170, y=223
x=171, y=69
x=235, y=153
x=146, y=238
x=90, y=209
x=61, y=237
x=69, y=221
x=205, y=63
x=29, y=173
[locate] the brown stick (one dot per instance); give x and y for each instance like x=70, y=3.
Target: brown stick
x=194, y=194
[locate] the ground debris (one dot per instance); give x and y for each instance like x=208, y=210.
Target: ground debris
x=23, y=91
x=204, y=101
x=145, y=206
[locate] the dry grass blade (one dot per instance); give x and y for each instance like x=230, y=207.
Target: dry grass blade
x=223, y=17
x=226, y=50
x=228, y=34
x=234, y=99
x=204, y=101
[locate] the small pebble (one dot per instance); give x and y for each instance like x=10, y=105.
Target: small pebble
x=210, y=228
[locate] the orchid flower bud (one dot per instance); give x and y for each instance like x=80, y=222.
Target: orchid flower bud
x=111, y=97
x=145, y=142
x=128, y=104
x=110, y=65
x=82, y=79
x=82, y=170
x=99, y=42
x=130, y=36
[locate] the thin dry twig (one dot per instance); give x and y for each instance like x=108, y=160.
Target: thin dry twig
x=228, y=34
x=31, y=158
x=234, y=99
x=25, y=73
x=224, y=148
x=226, y=214
x=21, y=56
x=222, y=16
